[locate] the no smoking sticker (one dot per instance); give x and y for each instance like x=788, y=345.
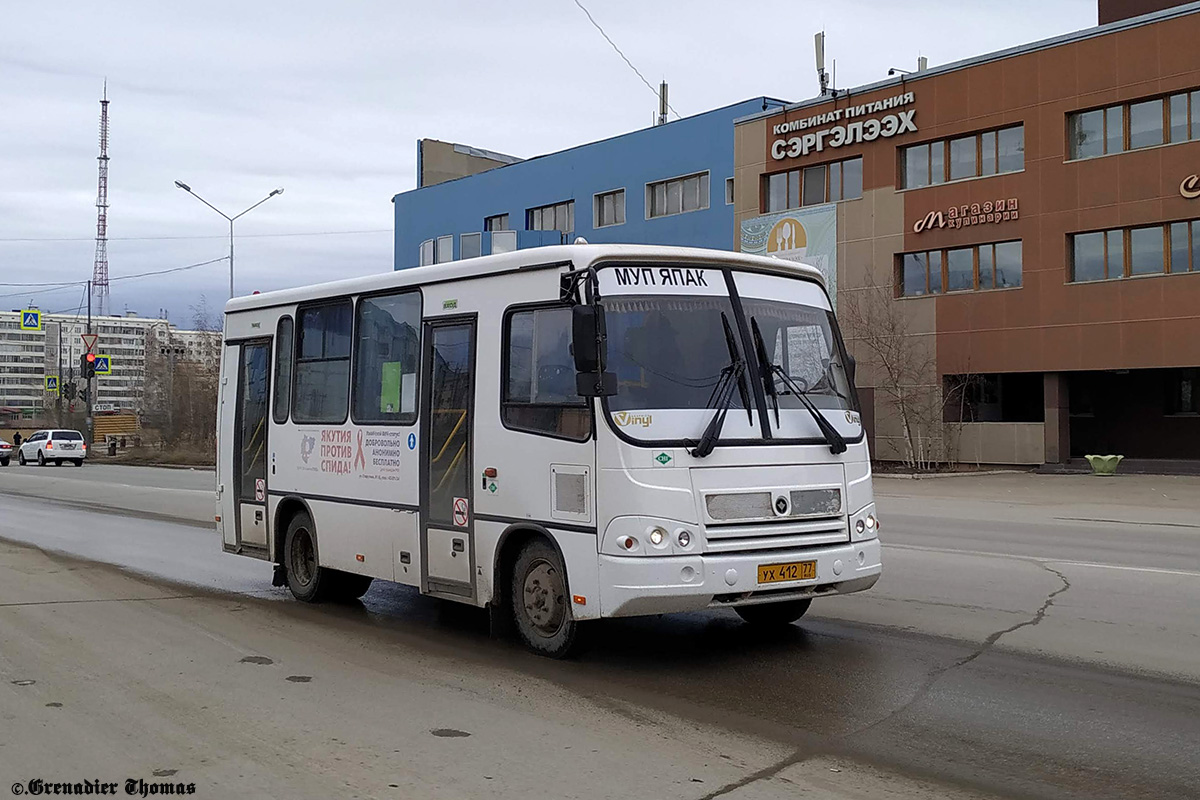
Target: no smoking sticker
x=460, y=512
x=260, y=489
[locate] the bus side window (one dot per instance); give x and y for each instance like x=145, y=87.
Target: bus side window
x=322, y=382
x=284, y=341
x=387, y=358
x=538, y=395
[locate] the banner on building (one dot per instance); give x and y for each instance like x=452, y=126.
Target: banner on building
x=807, y=235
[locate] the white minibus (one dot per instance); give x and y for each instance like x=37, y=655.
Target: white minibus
x=558, y=434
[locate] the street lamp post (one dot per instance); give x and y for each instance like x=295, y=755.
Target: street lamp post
x=188, y=189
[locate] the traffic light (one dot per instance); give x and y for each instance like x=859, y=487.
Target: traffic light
x=87, y=366
x=68, y=391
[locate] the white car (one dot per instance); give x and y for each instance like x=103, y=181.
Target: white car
x=53, y=445
x=5, y=453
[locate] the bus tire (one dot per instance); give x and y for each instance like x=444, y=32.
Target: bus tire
x=774, y=615
x=540, y=604
x=308, y=582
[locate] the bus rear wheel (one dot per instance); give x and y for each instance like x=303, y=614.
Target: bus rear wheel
x=774, y=615
x=307, y=581
x=540, y=604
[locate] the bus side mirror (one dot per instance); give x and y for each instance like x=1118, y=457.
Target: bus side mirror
x=588, y=343
x=851, y=368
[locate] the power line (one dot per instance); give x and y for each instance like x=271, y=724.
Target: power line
x=596, y=25
x=58, y=283
x=73, y=284
x=172, y=269
x=27, y=239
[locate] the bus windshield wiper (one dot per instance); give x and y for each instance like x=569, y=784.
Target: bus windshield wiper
x=734, y=358
x=721, y=396
x=771, y=371
x=764, y=365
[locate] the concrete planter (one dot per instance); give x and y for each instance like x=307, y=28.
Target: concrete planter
x=1104, y=465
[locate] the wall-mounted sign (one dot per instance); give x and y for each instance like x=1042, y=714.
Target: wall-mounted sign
x=849, y=133
x=1189, y=187
x=807, y=235
x=987, y=213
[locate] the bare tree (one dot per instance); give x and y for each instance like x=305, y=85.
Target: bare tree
x=203, y=317
x=182, y=369
x=902, y=366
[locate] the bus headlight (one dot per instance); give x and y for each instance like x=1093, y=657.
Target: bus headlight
x=648, y=537
x=864, y=523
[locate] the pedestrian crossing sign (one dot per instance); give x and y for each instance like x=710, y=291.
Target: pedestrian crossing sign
x=103, y=365
x=52, y=384
x=31, y=320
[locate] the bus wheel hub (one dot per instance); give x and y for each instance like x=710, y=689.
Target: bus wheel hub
x=543, y=598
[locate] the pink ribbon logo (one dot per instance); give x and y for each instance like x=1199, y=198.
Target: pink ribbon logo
x=360, y=459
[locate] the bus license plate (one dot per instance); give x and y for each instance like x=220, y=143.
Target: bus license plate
x=792, y=571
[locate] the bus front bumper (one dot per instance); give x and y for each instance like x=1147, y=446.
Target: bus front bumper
x=638, y=585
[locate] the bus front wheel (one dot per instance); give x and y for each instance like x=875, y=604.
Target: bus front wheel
x=540, y=604
x=774, y=615
x=308, y=582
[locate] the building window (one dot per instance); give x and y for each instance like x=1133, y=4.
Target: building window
x=1003, y=397
x=1130, y=126
x=443, y=249
x=824, y=183
x=960, y=269
x=426, y=253
x=1151, y=250
x=1183, y=391
x=323, y=364
x=499, y=222
x=284, y=341
x=729, y=191
x=539, y=384
x=555, y=217
x=504, y=242
x=469, y=245
x=677, y=196
x=608, y=209
x=979, y=155
x=387, y=355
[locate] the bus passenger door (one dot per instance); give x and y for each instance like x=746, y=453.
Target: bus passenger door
x=447, y=420
x=250, y=445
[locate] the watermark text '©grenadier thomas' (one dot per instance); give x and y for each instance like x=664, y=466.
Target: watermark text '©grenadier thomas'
x=131, y=787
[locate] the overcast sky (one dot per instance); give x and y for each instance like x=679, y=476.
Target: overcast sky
x=328, y=99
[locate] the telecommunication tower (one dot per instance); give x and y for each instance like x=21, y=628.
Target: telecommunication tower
x=100, y=270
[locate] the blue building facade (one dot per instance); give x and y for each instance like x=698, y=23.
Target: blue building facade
x=670, y=184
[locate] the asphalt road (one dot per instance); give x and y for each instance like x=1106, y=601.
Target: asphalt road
x=1031, y=637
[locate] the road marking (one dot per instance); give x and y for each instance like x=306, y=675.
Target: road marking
x=1129, y=522
x=1039, y=560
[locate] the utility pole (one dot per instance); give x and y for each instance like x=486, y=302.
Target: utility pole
x=58, y=399
x=91, y=438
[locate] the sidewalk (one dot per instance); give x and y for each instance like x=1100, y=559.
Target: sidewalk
x=1161, y=499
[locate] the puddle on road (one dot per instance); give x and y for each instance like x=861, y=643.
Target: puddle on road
x=256, y=660
x=449, y=733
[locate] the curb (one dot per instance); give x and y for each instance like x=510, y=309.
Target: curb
x=920, y=476
x=200, y=467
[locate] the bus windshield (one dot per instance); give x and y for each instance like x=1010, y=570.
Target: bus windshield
x=667, y=346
